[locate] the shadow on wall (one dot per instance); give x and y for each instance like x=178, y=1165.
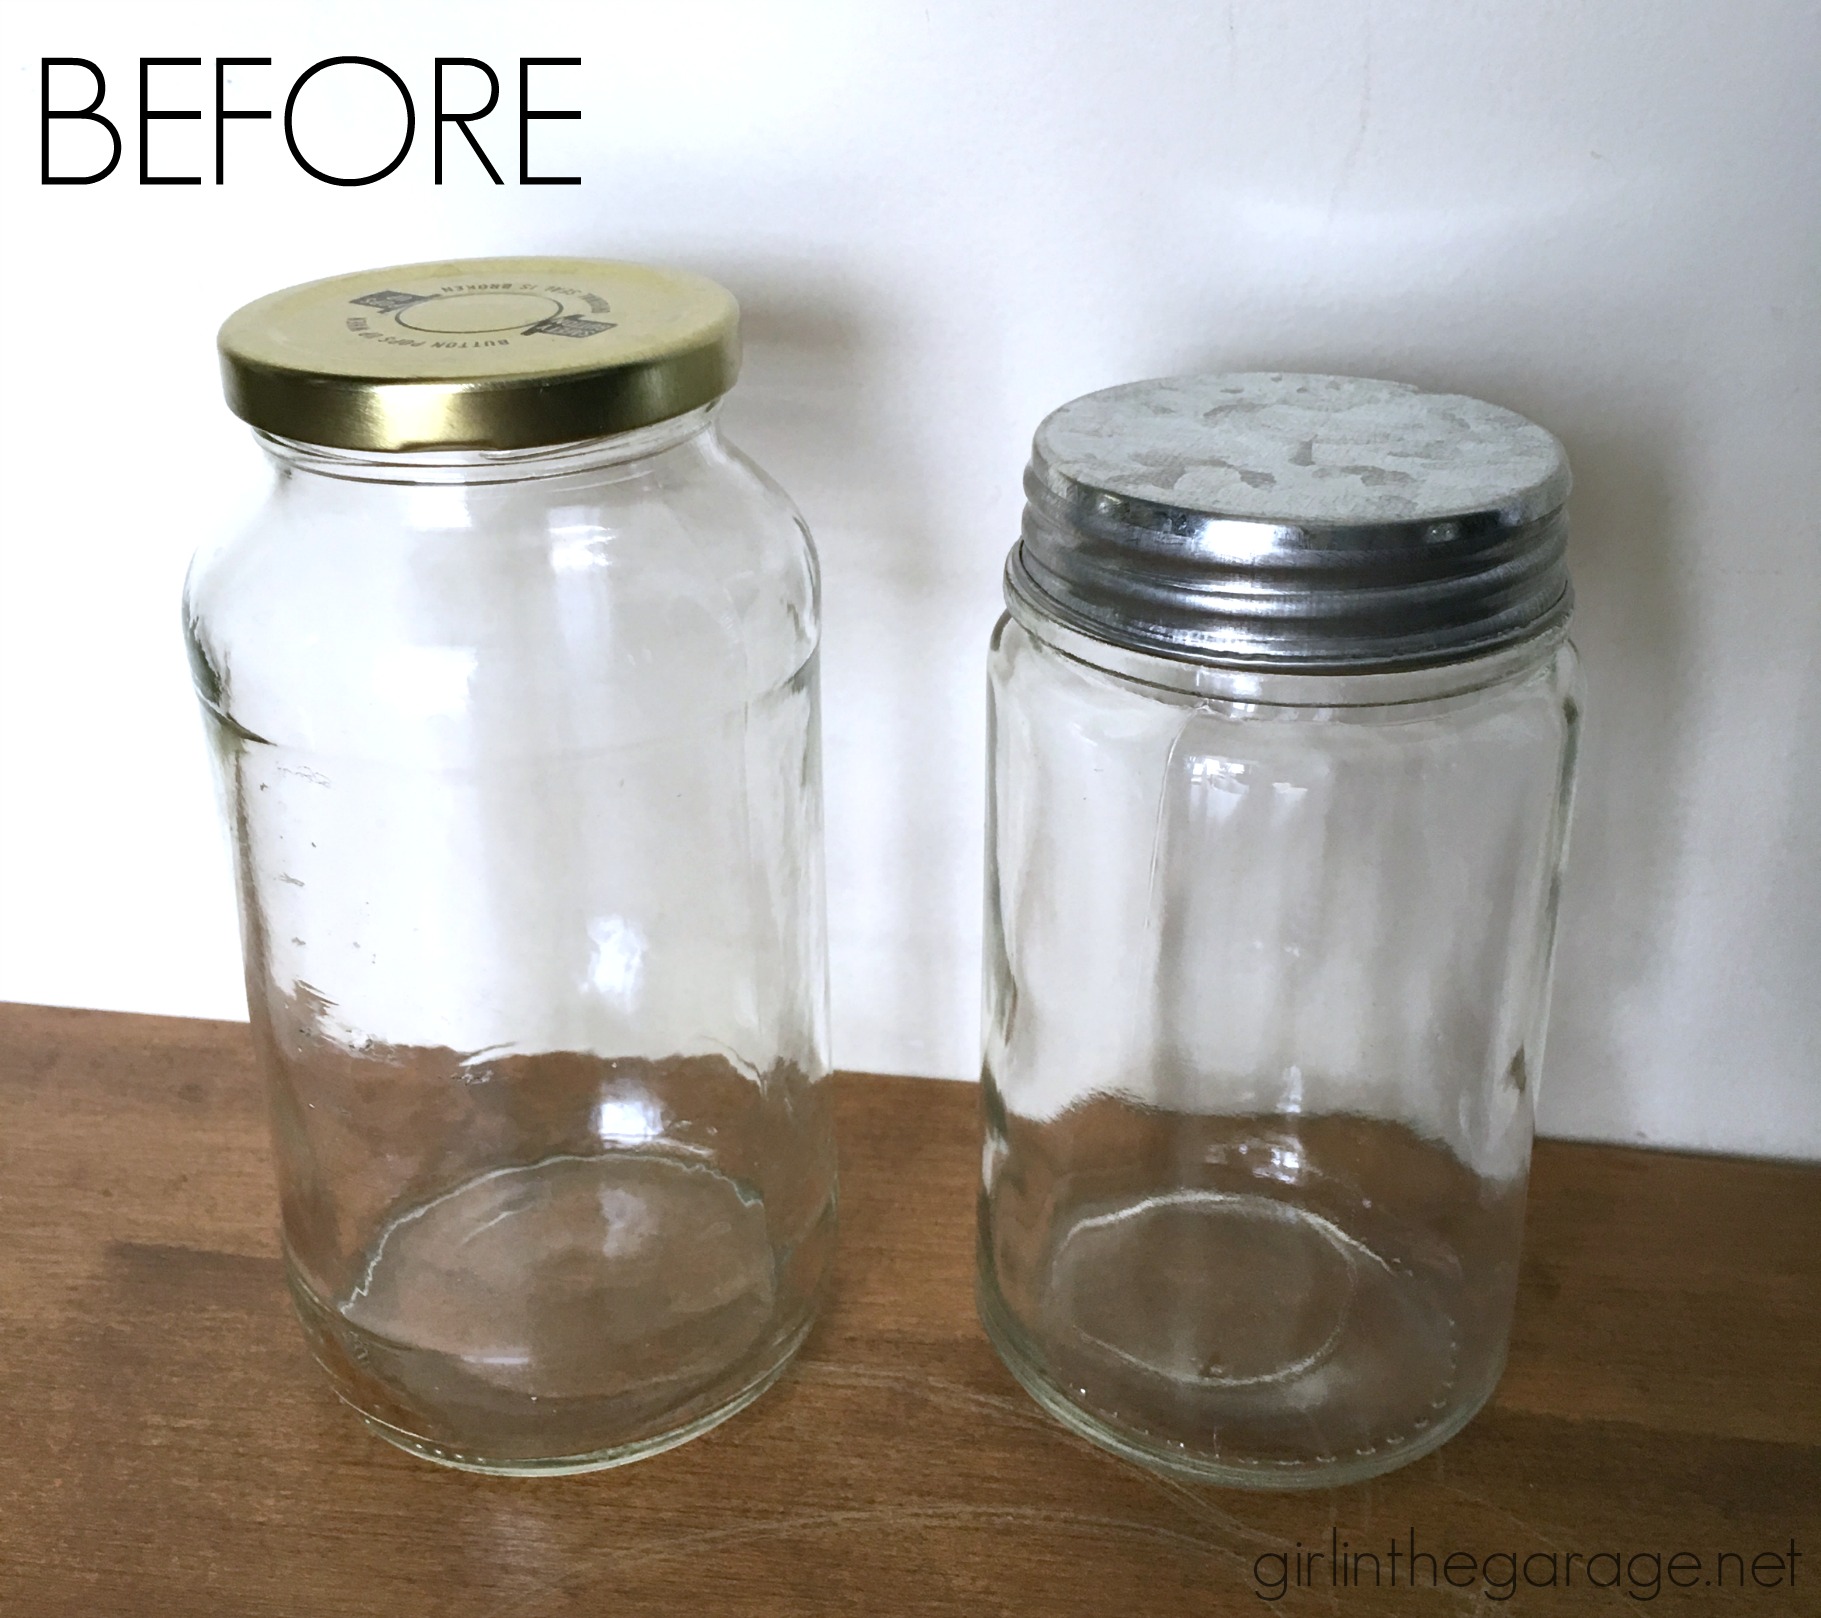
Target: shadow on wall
x=1633, y=624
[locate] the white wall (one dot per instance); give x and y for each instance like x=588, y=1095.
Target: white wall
x=943, y=220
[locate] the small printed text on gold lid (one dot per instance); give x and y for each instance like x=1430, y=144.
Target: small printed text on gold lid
x=500, y=353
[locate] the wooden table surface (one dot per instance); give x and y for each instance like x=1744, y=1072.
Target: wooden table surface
x=171, y=1450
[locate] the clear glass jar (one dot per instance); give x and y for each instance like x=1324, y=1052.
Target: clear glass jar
x=1278, y=806
x=519, y=748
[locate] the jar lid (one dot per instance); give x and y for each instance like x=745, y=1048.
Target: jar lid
x=1269, y=520
x=485, y=353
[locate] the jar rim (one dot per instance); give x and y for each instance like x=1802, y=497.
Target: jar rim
x=450, y=465
x=1306, y=690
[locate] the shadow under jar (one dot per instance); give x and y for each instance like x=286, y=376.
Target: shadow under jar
x=512, y=689
x=1283, y=722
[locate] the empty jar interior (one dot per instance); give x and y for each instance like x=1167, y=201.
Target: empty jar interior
x=1266, y=989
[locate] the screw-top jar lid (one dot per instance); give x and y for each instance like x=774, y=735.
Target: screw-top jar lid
x=490, y=353
x=1269, y=520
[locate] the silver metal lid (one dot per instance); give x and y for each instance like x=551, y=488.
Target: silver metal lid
x=1267, y=520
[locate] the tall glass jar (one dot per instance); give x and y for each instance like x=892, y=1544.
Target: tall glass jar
x=1283, y=729
x=512, y=688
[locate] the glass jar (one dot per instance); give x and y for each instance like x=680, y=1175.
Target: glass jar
x=1283, y=727
x=512, y=689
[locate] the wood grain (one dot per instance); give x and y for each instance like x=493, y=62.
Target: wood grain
x=171, y=1450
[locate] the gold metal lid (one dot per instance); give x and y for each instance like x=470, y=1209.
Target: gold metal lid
x=482, y=353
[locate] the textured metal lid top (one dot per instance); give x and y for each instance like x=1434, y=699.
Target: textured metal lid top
x=1279, y=521
x=495, y=353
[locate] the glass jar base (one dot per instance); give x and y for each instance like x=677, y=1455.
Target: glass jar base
x=1188, y=1445
x=565, y=1315
x=597, y=1461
